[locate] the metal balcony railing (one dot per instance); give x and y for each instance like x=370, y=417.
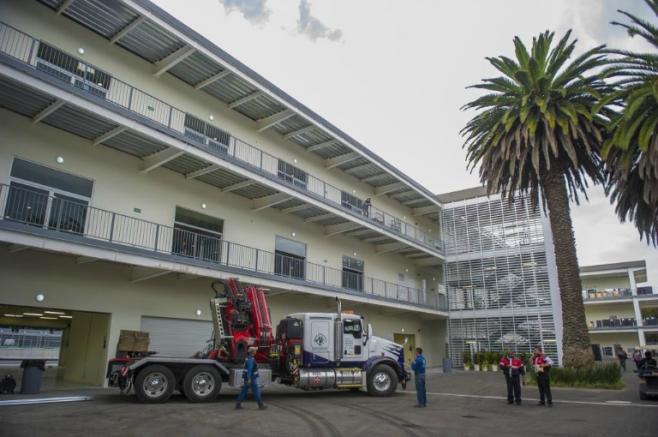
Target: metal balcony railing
x=76, y=220
x=613, y=323
x=101, y=85
x=650, y=321
x=608, y=293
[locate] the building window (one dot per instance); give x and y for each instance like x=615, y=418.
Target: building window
x=197, y=235
x=289, y=258
x=292, y=174
x=48, y=198
x=62, y=66
x=204, y=133
x=352, y=273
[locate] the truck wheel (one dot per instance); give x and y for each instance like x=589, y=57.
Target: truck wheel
x=202, y=384
x=154, y=384
x=382, y=381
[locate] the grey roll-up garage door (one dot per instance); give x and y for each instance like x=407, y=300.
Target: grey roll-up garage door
x=176, y=337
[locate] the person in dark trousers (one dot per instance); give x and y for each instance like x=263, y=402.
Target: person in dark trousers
x=418, y=366
x=637, y=357
x=250, y=376
x=542, y=364
x=512, y=368
x=366, y=207
x=622, y=356
x=648, y=361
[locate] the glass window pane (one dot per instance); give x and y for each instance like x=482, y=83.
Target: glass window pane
x=39, y=174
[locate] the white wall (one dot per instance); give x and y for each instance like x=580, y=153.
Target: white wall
x=120, y=187
x=41, y=23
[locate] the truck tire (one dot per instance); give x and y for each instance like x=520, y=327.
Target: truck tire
x=154, y=384
x=202, y=384
x=382, y=381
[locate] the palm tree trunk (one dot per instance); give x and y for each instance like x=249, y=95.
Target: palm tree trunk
x=575, y=340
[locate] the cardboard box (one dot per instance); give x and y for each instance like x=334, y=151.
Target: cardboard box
x=133, y=341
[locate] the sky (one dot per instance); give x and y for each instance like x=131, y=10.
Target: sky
x=393, y=74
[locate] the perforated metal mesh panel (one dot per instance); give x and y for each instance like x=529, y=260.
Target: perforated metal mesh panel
x=497, y=278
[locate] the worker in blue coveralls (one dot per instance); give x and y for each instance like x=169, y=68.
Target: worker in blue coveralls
x=250, y=376
x=418, y=366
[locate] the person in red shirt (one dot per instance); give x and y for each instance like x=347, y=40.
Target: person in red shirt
x=512, y=368
x=542, y=364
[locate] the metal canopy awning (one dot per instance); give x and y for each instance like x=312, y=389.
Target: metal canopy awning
x=150, y=33
x=44, y=108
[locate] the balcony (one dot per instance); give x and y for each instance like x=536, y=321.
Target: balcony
x=75, y=221
x=595, y=294
x=646, y=290
x=613, y=323
x=64, y=71
x=650, y=321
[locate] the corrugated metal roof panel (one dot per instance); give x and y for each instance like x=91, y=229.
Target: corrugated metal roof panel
x=150, y=42
x=195, y=68
x=78, y=122
x=260, y=107
x=255, y=191
x=221, y=178
x=185, y=164
x=332, y=151
x=104, y=17
x=24, y=101
x=291, y=124
x=229, y=89
x=311, y=211
x=134, y=144
x=288, y=204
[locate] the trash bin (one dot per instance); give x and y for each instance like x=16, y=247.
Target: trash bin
x=32, y=373
x=447, y=365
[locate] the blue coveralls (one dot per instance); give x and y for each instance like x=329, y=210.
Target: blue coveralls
x=250, y=376
x=418, y=367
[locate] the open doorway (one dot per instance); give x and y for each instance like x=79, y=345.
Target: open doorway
x=73, y=344
x=408, y=342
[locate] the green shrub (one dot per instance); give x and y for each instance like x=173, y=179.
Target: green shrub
x=605, y=376
x=466, y=357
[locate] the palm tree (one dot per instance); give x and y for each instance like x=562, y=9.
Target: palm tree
x=631, y=153
x=537, y=133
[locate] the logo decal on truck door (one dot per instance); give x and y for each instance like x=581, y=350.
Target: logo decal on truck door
x=320, y=340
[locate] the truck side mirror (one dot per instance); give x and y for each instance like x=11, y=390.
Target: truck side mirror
x=368, y=334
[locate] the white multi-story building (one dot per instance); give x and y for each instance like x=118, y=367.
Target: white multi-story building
x=139, y=162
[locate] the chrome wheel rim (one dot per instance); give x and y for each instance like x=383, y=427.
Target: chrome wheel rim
x=382, y=381
x=155, y=384
x=203, y=384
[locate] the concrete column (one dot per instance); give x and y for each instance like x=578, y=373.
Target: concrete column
x=631, y=280
x=642, y=340
x=638, y=312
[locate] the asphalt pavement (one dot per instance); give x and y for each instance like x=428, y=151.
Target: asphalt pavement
x=459, y=404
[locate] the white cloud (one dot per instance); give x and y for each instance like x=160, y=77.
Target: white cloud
x=312, y=27
x=254, y=11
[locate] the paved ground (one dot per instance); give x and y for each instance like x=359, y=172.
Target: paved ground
x=461, y=404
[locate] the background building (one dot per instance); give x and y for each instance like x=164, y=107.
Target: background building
x=620, y=306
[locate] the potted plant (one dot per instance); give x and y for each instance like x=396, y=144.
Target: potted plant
x=495, y=359
x=476, y=361
x=466, y=357
x=484, y=362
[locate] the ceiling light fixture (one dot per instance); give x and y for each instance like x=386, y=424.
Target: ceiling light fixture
x=33, y=314
x=204, y=206
x=13, y=315
x=65, y=317
x=48, y=318
x=293, y=234
x=211, y=117
x=198, y=312
x=81, y=51
x=39, y=297
x=53, y=312
x=59, y=159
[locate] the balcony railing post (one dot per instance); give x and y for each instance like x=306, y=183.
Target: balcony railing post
x=157, y=237
x=112, y=226
x=256, y=261
x=228, y=253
